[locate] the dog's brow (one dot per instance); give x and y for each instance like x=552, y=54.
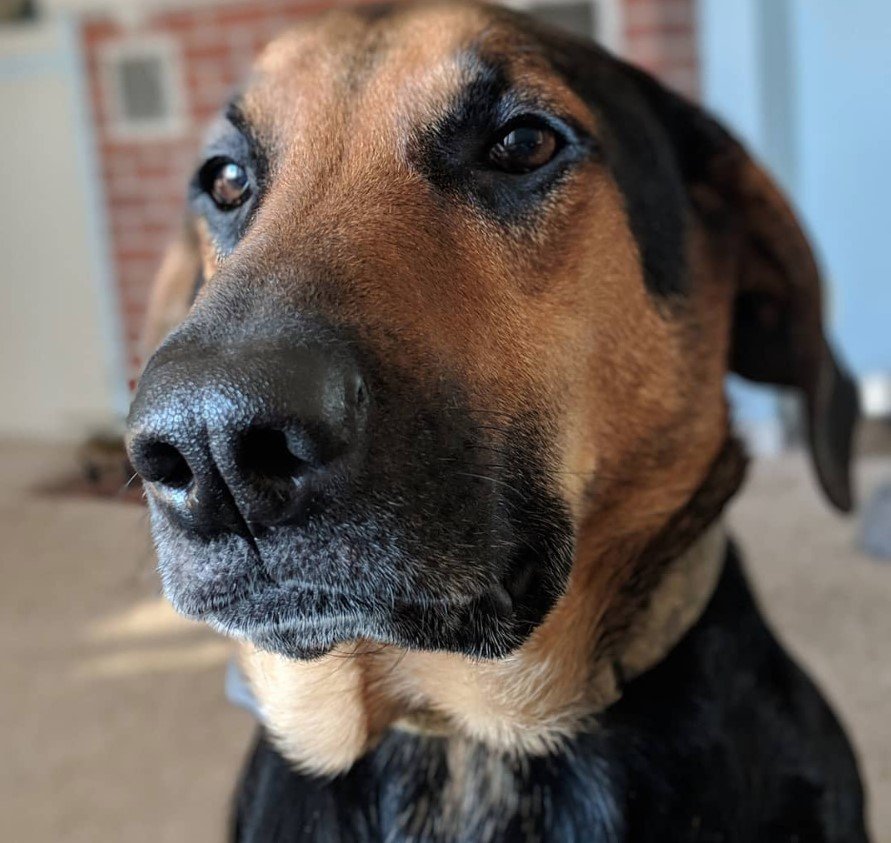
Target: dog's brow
x=477, y=101
x=236, y=116
x=489, y=94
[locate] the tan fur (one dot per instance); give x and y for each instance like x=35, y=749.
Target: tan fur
x=323, y=714
x=173, y=288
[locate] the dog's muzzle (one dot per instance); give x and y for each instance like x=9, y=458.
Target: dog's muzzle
x=302, y=495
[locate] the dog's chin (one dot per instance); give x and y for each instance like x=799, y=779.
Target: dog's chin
x=301, y=622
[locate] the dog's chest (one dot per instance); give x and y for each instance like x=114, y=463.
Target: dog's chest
x=430, y=789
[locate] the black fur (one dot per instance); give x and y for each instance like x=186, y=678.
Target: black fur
x=725, y=741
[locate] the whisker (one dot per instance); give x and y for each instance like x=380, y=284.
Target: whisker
x=128, y=483
x=489, y=479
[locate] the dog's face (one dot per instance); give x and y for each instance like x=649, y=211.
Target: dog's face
x=467, y=297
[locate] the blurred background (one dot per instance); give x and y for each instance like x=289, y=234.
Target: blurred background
x=113, y=721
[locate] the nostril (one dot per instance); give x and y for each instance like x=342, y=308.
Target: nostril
x=162, y=463
x=361, y=393
x=267, y=453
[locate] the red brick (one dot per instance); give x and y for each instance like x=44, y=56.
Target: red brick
x=144, y=258
x=246, y=15
x=217, y=51
x=660, y=30
x=181, y=22
x=666, y=12
x=655, y=48
x=95, y=30
x=163, y=230
x=133, y=313
x=204, y=113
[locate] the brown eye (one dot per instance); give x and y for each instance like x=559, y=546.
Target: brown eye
x=227, y=183
x=524, y=148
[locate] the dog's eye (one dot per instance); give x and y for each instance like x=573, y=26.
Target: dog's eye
x=524, y=147
x=227, y=182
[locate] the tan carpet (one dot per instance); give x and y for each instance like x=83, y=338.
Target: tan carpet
x=113, y=724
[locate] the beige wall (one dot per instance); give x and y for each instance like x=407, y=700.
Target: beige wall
x=56, y=376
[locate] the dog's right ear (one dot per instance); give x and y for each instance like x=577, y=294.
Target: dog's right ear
x=778, y=335
x=174, y=289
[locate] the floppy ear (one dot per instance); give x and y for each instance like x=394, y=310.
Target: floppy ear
x=778, y=335
x=174, y=288
x=778, y=326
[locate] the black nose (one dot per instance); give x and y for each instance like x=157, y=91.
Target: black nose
x=236, y=438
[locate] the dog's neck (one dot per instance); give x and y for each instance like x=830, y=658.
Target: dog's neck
x=676, y=603
x=324, y=715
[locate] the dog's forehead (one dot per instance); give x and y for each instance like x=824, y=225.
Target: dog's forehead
x=392, y=69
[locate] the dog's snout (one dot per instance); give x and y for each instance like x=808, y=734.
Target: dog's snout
x=243, y=437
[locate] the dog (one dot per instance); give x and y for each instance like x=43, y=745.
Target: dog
x=443, y=441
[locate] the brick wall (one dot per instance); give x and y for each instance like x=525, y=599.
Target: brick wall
x=660, y=36
x=144, y=180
